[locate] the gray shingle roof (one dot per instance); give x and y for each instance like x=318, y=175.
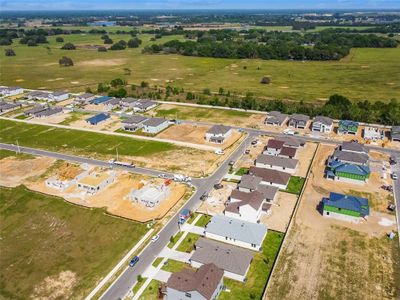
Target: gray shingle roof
x=247, y=232
x=324, y=120
x=134, y=119
x=249, y=182
x=154, y=122
x=269, y=175
x=85, y=96
x=351, y=157
x=227, y=257
x=219, y=129
x=254, y=199
x=299, y=118
x=353, y=146
x=48, y=112
x=277, y=161
x=276, y=117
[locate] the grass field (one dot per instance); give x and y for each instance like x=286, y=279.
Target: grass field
x=187, y=245
x=258, y=273
x=7, y=153
x=295, y=185
x=70, y=140
x=203, y=221
x=174, y=266
x=365, y=74
x=54, y=250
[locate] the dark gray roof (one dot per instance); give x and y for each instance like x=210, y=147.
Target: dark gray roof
x=38, y=94
x=299, y=118
x=113, y=101
x=48, y=112
x=129, y=100
x=395, y=132
x=249, y=182
x=85, y=96
x=35, y=109
x=227, y=257
x=291, y=142
x=324, y=120
x=134, y=119
x=59, y=93
x=277, y=161
x=276, y=117
x=154, y=122
x=351, y=157
x=354, y=147
x=268, y=191
x=254, y=199
x=144, y=104
x=243, y=231
x=219, y=129
x=8, y=105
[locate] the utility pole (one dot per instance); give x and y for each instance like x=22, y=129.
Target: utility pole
x=18, y=149
x=116, y=150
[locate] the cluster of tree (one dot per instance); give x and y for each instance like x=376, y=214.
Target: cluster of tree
x=59, y=39
x=121, y=45
x=386, y=28
x=68, y=46
x=325, y=45
x=9, y=52
x=65, y=62
x=33, y=40
x=106, y=39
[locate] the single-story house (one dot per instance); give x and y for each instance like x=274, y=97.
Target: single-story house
x=143, y=105
x=345, y=207
x=236, y=232
x=276, y=163
x=245, y=206
x=84, y=98
x=58, y=96
x=49, y=111
x=353, y=147
x=8, y=106
x=34, y=110
x=322, y=124
x=128, y=102
x=373, y=133
x=38, y=95
x=205, y=283
x=271, y=177
x=112, y=103
x=298, y=121
x=291, y=142
x=348, y=127
x=133, y=123
x=235, y=261
x=100, y=100
x=218, y=134
x=98, y=118
x=395, y=134
x=275, y=118
x=11, y=91
x=94, y=181
x=155, y=125
x=351, y=152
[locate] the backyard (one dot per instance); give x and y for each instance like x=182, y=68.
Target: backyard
x=75, y=246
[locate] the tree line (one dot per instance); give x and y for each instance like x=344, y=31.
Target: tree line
x=324, y=45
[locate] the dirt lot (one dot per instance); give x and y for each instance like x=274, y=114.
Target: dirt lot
x=52, y=119
x=14, y=171
x=215, y=203
x=114, y=197
x=94, y=107
x=281, y=211
x=305, y=155
x=195, y=134
x=326, y=259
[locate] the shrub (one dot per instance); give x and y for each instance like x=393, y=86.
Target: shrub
x=31, y=43
x=66, y=61
x=134, y=43
x=108, y=41
x=9, y=52
x=121, y=45
x=102, y=49
x=117, y=82
x=68, y=46
x=5, y=42
x=59, y=39
x=265, y=80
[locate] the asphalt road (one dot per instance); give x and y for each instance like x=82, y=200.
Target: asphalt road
x=125, y=282
x=396, y=192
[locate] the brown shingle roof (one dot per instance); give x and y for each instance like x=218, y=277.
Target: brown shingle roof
x=269, y=175
x=205, y=280
x=275, y=144
x=287, y=151
x=254, y=199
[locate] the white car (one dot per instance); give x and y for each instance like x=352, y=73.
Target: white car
x=394, y=176
x=219, y=152
x=289, y=132
x=155, y=238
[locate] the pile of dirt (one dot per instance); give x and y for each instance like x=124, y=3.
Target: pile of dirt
x=68, y=171
x=56, y=287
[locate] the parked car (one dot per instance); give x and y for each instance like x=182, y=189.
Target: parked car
x=231, y=163
x=289, y=132
x=254, y=142
x=155, y=238
x=218, y=186
x=165, y=176
x=173, y=121
x=247, y=151
x=391, y=207
x=134, y=261
x=219, y=151
x=204, y=197
x=394, y=176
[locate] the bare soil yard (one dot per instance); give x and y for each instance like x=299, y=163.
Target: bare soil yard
x=215, y=203
x=111, y=124
x=324, y=258
x=14, y=171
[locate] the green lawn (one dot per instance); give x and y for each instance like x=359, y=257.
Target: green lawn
x=242, y=171
x=295, y=185
x=203, y=221
x=258, y=273
x=138, y=285
x=187, y=244
x=191, y=218
x=174, y=266
x=70, y=140
x=6, y=153
x=366, y=73
x=175, y=239
x=157, y=261
x=151, y=292
x=44, y=238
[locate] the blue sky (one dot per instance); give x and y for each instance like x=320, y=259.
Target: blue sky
x=196, y=4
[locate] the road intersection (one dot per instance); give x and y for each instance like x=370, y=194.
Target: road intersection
x=122, y=286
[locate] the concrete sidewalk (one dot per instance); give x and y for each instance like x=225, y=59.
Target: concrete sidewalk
x=193, y=229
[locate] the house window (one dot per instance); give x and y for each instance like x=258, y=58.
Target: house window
x=188, y=295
